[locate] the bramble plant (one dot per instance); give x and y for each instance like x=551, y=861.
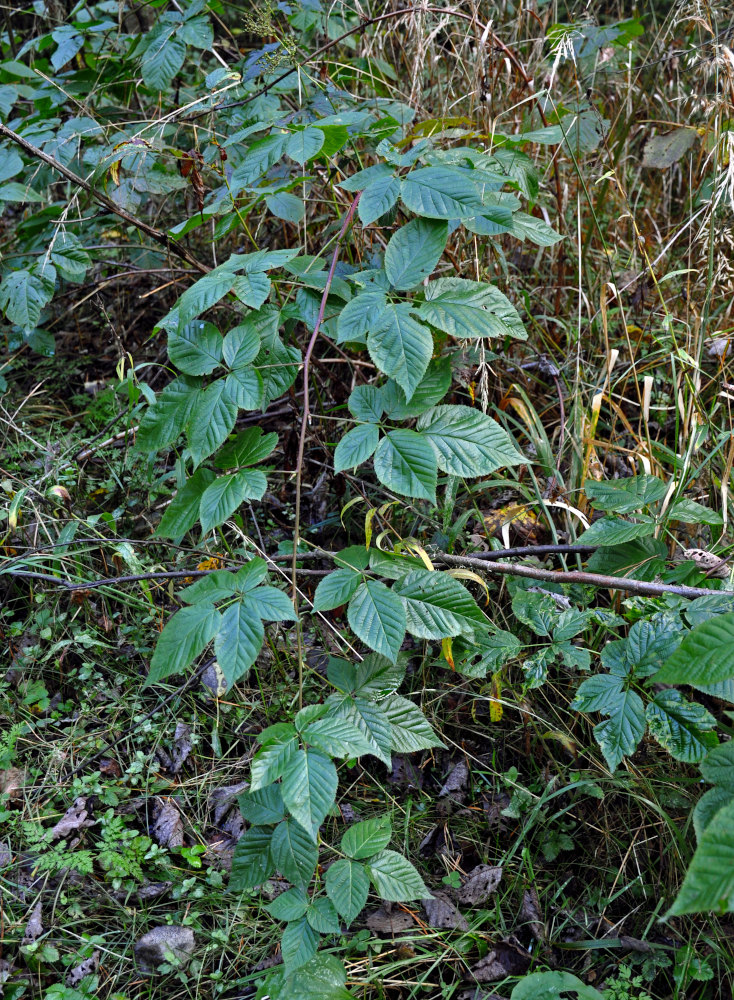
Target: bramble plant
x=250, y=149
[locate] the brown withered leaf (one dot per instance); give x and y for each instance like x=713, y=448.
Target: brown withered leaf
x=167, y=826
x=530, y=913
x=442, y=914
x=11, y=783
x=85, y=968
x=456, y=782
x=221, y=799
x=75, y=818
x=181, y=747
x=503, y=959
x=385, y=920
x=34, y=927
x=479, y=885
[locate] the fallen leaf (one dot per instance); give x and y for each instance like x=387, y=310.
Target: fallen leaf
x=456, y=782
x=85, y=968
x=11, y=782
x=167, y=826
x=34, y=927
x=74, y=819
x=221, y=799
x=480, y=883
x=442, y=914
x=504, y=959
x=152, y=890
x=170, y=944
x=181, y=746
x=530, y=913
x=388, y=921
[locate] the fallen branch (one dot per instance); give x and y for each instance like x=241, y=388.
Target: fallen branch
x=172, y=245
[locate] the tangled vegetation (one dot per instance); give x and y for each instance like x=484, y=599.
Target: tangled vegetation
x=367, y=447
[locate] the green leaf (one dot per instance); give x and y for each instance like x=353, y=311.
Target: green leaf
x=718, y=767
x=184, y=636
x=252, y=289
x=413, y=252
x=196, y=348
x=251, y=863
x=238, y=640
x=377, y=617
x=209, y=589
x=241, y=346
x=359, y=315
x=290, y=905
x=222, y=497
x=395, y=878
x=356, y=447
x=322, y=916
x=14, y=191
x=305, y=144
x=487, y=653
x=690, y=512
x=337, y=737
x=641, y=559
x=411, y=730
x=322, y=978
x=247, y=448
x=709, y=881
x=23, y=294
x=251, y=575
x=263, y=807
x=527, y=227
x=406, y=463
x=683, y=727
x=69, y=257
x=470, y=309
x=378, y=198
x=182, y=513
x=162, y=60
x=336, y=589
x=619, y=735
x=369, y=719
x=623, y=496
x=440, y=193
x=662, y=151
x=197, y=31
x=163, y=422
x=309, y=789
x=364, y=839
x=400, y=346
x=347, y=886
x=293, y=853
x=705, y=656
x=298, y=944
x=551, y=985
x=467, y=442
x=430, y=390
x=377, y=676
x=365, y=403
x=614, y=531
x=278, y=366
x=286, y=206
x=438, y=606
x=212, y=418
x=271, y=762
x=707, y=807
x=272, y=604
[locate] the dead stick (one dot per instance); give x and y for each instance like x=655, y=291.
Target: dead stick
x=172, y=245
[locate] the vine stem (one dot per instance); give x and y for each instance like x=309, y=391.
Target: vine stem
x=305, y=415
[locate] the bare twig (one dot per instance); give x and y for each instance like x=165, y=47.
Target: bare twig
x=304, y=427
x=172, y=245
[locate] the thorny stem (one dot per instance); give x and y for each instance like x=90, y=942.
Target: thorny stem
x=305, y=414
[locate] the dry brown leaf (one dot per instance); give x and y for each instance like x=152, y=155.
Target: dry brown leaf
x=442, y=914
x=530, y=913
x=85, y=968
x=479, y=885
x=74, y=819
x=11, y=782
x=504, y=959
x=181, y=746
x=388, y=921
x=34, y=927
x=167, y=824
